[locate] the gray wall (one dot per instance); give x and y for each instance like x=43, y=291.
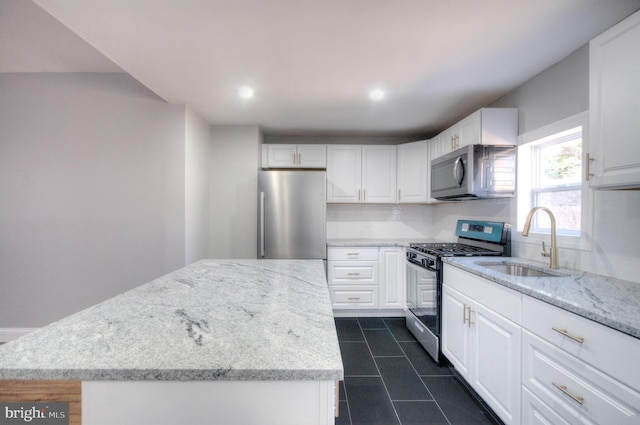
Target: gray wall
x=197, y=154
x=560, y=91
x=92, y=192
x=233, y=208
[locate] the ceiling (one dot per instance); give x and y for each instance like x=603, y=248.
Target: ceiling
x=311, y=63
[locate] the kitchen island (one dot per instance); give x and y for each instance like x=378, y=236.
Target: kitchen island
x=220, y=341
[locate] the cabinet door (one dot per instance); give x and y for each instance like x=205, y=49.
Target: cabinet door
x=614, y=102
x=496, y=362
x=379, y=174
x=469, y=132
x=281, y=156
x=435, y=149
x=449, y=139
x=312, y=156
x=392, y=282
x=412, y=172
x=456, y=338
x=344, y=174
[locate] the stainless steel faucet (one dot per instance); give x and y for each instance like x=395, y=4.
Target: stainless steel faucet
x=553, y=252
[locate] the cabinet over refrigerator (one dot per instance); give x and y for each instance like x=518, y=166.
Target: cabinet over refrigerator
x=292, y=214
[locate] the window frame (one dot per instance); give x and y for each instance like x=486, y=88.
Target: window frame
x=525, y=190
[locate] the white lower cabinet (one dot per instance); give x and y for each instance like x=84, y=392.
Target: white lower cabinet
x=481, y=343
x=369, y=278
x=584, y=372
x=534, y=363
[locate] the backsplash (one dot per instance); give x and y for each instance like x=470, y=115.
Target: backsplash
x=615, y=245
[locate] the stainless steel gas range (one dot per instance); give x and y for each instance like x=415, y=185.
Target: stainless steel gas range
x=424, y=274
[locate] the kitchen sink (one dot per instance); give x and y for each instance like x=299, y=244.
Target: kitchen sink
x=521, y=270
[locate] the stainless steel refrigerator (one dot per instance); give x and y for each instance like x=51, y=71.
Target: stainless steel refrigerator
x=292, y=214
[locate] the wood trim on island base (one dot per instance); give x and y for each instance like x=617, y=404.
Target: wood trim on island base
x=13, y=391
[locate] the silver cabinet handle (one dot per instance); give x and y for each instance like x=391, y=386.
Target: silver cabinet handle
x=466, y=318
x=587, y=167
x=299, y=158
x=568, y=335
x=564, y=389
x=353, y=274
x=399, y=194
x=262, y=231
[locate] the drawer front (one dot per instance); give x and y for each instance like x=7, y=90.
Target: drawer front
x=580, y=393
x=347, y=273
x=499, y=298
x=609, y=350
x=354, y=297
x=352, y=253
x=535, y=412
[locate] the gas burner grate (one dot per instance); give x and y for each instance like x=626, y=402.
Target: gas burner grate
x=452, y=249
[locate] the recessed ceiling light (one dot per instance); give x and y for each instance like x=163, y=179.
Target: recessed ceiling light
x=245, y=92
x=376, y=94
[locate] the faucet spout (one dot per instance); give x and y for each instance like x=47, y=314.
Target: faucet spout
x=553, y=251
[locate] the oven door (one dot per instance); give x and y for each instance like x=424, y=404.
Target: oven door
x=423, y=315
x=422, y=296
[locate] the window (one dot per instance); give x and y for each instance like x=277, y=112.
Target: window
x=550, y=174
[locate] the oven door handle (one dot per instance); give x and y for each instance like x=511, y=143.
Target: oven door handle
x=421, y=269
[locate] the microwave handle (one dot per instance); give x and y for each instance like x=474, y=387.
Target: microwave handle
x=458, y=171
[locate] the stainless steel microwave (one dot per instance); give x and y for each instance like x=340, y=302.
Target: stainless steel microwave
x=475, y=172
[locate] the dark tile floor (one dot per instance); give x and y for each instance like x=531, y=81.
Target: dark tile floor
x=391, y=380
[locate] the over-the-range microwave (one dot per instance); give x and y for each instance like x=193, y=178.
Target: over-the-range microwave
x=475, y=172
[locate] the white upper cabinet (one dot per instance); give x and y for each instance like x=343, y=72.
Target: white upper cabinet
x=361, y=174
x=344, y=173
x=296, y=156
x=486, y=126
x=412, y=172
x=379, y=174
x=614, y=102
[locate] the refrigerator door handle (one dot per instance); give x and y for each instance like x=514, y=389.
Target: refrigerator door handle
x=262, y=233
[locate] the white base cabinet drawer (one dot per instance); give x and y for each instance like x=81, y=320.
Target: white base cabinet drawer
x=354, y=297
x=589, y=341
x=364, y=272
x=351, y=254
x=536, y=412
x=578, y=392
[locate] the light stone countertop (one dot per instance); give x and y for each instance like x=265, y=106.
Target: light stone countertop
x=214, y=320
x=609, y=301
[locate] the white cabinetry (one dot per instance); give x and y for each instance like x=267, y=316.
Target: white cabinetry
x=361, y=174
x=369, y=278
x=353, y=277
x=392, y=277
x=295, y=156
x=412, y=172
x=486, y=126
x=582, y=371
x=481, y=337
x=614, y=102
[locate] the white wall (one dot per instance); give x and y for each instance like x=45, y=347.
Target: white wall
x=197, y=154
x=92, y=190
x=233, y=208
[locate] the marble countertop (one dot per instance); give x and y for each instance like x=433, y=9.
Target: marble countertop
x=214, y=320
x=611, y=302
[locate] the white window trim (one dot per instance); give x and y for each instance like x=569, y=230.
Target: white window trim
x=522, y=206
